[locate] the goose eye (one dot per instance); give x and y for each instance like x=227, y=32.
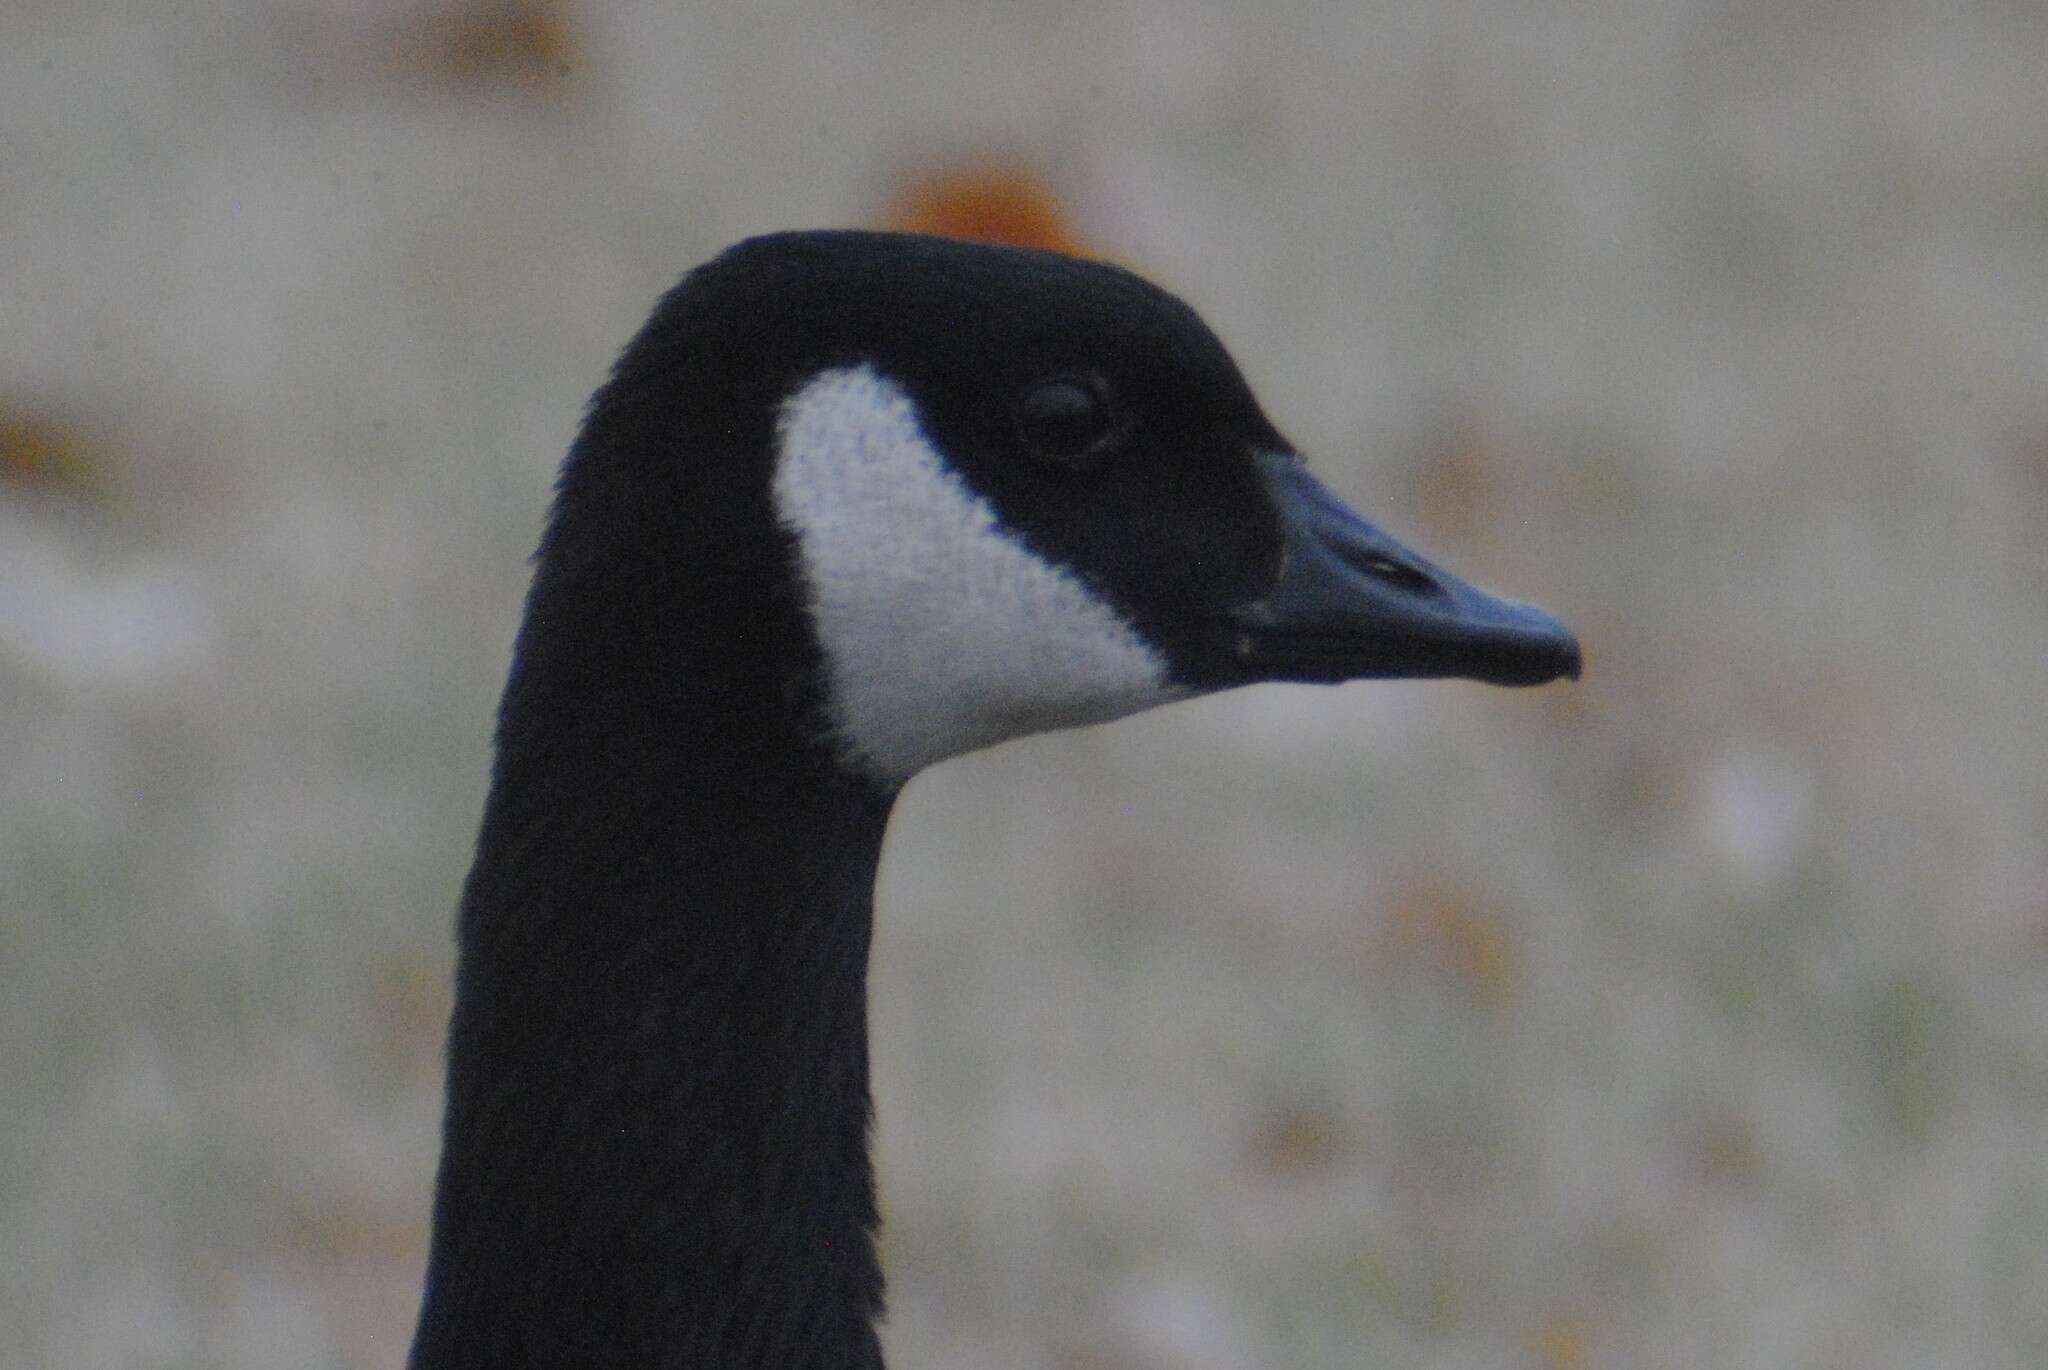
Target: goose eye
x=1068, y=420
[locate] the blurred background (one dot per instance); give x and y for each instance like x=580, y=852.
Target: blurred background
x=1695, y=1015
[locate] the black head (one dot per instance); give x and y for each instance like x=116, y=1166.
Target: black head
x=1021, y=490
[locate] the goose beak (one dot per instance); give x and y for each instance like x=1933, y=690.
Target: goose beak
x=1351, y=603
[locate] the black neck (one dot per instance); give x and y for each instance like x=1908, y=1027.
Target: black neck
x=656, y=1142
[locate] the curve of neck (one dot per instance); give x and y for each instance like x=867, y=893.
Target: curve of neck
x=655, y=1151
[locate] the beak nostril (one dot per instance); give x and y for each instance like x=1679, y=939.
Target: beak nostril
x=1398, y=574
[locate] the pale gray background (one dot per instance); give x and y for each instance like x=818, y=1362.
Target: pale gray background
x=1693, y=1016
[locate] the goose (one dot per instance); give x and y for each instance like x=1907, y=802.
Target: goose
x=849, y=503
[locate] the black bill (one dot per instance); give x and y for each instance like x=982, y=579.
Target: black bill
x=1352, y=603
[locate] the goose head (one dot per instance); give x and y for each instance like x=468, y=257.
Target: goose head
x=1015, y=491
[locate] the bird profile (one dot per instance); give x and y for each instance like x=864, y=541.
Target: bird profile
x=849, y=504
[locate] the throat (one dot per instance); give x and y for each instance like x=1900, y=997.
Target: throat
x=656, y=1141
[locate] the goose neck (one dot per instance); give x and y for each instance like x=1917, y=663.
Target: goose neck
x=655, y=1149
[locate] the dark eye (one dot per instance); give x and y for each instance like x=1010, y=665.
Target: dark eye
x=1069, y=420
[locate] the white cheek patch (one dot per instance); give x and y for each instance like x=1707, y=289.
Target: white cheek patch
x=940, y=631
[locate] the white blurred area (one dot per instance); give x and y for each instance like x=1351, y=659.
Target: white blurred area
x=1695, y=1015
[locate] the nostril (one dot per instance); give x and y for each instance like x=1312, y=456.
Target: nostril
x=1398, y=574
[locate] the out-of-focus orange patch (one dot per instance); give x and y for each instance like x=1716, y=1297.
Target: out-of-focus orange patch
x=1465, y=940
x=493, y=42
x=1564, y=1342
x=986, y=204
x=409, y=1000
x=1296, y=1141
x=1455, y=479
x=1647, y=782
x=38, y=450
x=1728, y=1153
